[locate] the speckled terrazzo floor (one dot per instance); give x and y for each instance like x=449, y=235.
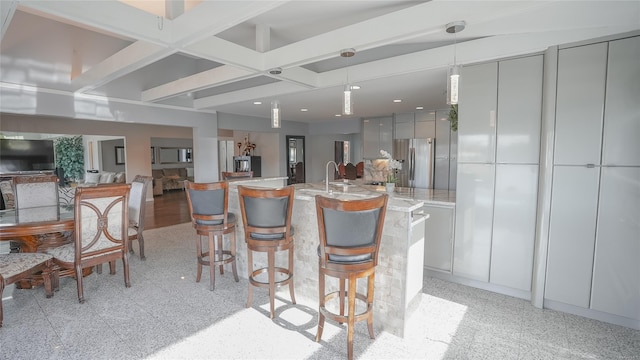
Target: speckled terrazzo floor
x=167, y=315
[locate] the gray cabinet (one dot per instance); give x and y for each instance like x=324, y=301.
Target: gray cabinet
x=438, y=237
x=593, y=229
x=377, y=135
x=445, y=153
x=418, y=125
x=497, y=177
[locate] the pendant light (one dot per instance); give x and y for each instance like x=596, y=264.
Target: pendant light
x=453, y=73
x=347, y=100
x=276, y=114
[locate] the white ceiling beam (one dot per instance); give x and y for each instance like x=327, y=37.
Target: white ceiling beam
x=263, y=38
x=262, y=91
x=419, y=20
x=300, y=76
x=226, y=52
x=113, y=17
x=173, y=8
x=212, y=17
x=215, y=77
x=125, y=61
x=7, y=9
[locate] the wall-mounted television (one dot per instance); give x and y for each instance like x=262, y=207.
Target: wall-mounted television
x=26, y=155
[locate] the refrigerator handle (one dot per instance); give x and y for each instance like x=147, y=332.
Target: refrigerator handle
x=412, y=164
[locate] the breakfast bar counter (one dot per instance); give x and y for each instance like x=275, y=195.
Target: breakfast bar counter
x=399, y=274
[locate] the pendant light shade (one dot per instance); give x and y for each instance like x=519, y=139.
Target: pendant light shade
x=276, y=115
x=347, y=104
x=347, y=100
x=453, y=73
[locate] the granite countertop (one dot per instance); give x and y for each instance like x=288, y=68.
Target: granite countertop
x=352, y=190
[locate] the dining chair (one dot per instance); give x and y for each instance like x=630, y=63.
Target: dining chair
x=35, y=191
x=100, y=233
x=226, y=175
x=210, y=216
x=350, y=171
x=341, y=171
x=350, y=233
x=266, y=215
x=17, y=266
x=137, y=205
x=360, y=170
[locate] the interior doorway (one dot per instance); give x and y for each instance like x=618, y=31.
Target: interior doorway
x=295, y=159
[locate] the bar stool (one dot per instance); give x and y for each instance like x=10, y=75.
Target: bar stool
x=208, y=205
x=350, y=233
x=266, y=214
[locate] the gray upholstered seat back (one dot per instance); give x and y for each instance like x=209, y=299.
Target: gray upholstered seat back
x=266, y=212
x=207, y=202
x=352, y=228
x=135, y=202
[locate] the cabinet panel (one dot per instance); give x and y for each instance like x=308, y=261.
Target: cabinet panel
x=442, y=147
x=514, y=225
x=580, y=102
x=386, y=135
x=572, y=234
x=404, y=126
x=477, y=113
x=425, y=126
x=438, y=238
x=616, y=272
x=519, y=110
x=474, y=218
x=622, y=109
x=370, y=139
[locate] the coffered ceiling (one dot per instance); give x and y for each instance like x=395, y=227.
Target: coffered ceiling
x=216, y=55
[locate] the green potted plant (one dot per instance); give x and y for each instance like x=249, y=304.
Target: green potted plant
x=70, y=157
x=453, y=117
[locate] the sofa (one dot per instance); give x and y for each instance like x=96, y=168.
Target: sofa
x=105, y=177
x=170, y=179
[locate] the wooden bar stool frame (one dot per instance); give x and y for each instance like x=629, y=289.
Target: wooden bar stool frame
x=349, y=271
x=214, y=233
x=270, y=246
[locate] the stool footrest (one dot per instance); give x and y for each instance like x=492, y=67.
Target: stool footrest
x=229, y=258
x=258, y=283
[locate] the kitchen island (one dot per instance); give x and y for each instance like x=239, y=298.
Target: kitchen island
x=399, y=275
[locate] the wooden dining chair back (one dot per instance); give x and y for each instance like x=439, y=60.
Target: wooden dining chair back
x=210, y=217
x=360, y=169
x=137, y=205
x=17, y=266
x=100, y=235
x=350, y=232
x=236, y=175
x=266, y=215
x=35, y=191
x=350, y=171
x=341, y=171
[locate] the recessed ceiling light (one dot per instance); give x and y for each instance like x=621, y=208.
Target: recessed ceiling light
x=419, y=108
x=338, y=115
x=257, y=103
x=355, y=87
x=303, y=110
x=397, y=101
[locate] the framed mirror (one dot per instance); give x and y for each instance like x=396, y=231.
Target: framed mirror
x=173, y=155
x=119, y=155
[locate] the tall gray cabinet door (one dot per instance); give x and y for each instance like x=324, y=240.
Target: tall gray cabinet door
x=622, y=107
x=474, y=218
x=514, y=225
x=572, y=234
x=442, y=146
x=580, y=104
x=404, y=126
x=370, y=138
x=477, y=113
x=616, y=271
x=519, y=110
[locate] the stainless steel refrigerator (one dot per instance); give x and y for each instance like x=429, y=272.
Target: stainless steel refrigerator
x=417, y=158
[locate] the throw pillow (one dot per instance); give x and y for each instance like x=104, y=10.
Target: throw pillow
x=7, y=194
x=107, y=177
x=92, y=178
x=119, y=178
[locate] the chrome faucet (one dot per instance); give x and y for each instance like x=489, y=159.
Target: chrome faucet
x=326, y=174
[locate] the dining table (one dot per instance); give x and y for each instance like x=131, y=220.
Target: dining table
x=36, y=229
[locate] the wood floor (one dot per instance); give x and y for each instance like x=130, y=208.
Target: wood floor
x=170, y=208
